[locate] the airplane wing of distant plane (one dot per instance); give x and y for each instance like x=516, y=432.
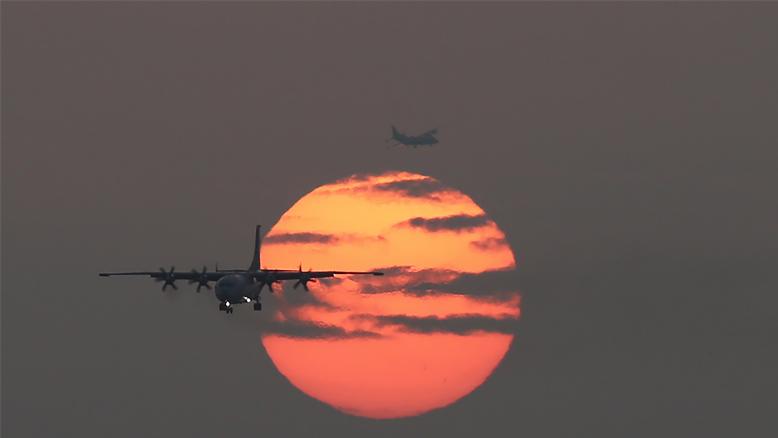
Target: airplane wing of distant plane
x=431, y=132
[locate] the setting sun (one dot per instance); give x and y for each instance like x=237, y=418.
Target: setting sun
x=418, y=338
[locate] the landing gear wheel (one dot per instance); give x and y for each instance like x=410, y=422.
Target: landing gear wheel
x=230, y=310
x=222, y=307
x=257, y=306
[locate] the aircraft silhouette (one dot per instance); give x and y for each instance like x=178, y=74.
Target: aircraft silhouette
x=424, y=139
x=237, y=286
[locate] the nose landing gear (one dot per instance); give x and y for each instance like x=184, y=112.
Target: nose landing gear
x=257, y=306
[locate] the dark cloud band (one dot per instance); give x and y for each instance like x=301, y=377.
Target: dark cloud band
x=456, y=223
x=311, y=330
x=319, y=238
x=416, y=188
x=454, y=324
x=489, y=244
x=494, y=286
x=285, y=238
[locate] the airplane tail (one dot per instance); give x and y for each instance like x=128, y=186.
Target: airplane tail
x=255, y=261
x=395, y=133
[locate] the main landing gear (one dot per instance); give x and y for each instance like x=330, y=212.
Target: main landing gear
x=226, y=307
x=229, y=308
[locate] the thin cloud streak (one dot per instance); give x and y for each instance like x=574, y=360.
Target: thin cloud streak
x=490, y=244
x=492, y=286
x=313, y=330
x=293, y=238
x=406, y=185
x=318, y=239
x=427, y=188
x=455, y=223
x=463, y=324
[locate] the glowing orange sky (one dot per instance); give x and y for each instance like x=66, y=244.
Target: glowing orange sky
x=421, y=232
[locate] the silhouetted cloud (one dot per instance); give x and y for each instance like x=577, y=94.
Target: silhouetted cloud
x=404, y=185
x=312, y=330
x=401, y=278
x=463, y=324
x=301, y=238
x=319, y=238
x=490, y=283
x=331, y=281
x=293, y=299
x=494, y=286
x=417, y=188
x=456, y=223
x=489, y=244
x=356, y=177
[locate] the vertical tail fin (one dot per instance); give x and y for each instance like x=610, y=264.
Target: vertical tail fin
x=255, y=261
x=394, y=132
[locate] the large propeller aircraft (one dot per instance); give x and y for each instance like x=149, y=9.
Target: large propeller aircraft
x=236, y=286
x=425, y=139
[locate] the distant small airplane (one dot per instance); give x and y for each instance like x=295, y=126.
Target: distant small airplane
x=425, y=139
x=236, y=286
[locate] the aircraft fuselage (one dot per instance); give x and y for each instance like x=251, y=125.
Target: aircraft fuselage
x=235, y=289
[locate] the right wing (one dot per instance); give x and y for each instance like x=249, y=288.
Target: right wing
x=297, y=275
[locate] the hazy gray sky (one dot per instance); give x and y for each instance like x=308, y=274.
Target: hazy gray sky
x=627, y=150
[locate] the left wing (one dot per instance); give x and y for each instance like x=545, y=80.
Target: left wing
x=169, y=277
x=431, y=132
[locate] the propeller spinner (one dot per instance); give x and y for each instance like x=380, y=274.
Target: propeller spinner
x=201, y=279
x=169, y=277
x=305, y=277
x=268, y=281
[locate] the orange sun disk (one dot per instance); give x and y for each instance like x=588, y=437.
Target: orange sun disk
x=422, y=233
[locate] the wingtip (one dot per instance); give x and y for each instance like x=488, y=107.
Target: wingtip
x=377, y=274
x=103, y=274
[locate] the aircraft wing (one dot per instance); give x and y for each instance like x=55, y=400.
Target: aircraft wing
x=162, y=275
x=297, y=275
x=431, y=132
x=215, y=276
